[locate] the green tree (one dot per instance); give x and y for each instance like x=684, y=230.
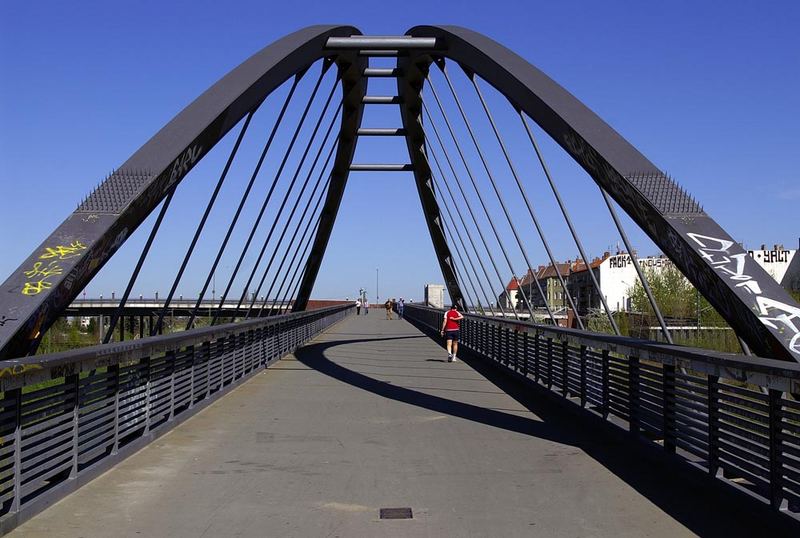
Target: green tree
x=675, y=297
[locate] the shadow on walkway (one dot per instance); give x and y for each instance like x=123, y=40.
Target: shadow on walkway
x=705, y=506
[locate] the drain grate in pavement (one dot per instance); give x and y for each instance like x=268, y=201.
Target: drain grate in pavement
x=396, y=513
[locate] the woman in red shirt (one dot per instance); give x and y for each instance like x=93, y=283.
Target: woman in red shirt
x=450, y=328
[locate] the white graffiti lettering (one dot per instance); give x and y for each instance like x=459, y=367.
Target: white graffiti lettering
x=184, y=162
x=776, y=314
x=772, y=313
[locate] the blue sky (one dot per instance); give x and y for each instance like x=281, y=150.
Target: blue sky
x=706, y=90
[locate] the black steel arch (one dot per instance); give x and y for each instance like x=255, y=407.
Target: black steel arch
x=756, y=306
x=92, y=234
x=752, y=302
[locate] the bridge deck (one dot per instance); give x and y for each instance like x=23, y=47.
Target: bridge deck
x=369, y=416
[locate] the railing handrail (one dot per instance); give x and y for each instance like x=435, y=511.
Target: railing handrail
x=115, y=352
x=649, y=349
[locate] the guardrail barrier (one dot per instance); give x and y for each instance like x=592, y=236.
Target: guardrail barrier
x=67, y=417
x=733, y=416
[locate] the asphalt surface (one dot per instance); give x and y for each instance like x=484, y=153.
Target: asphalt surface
x=370, y=415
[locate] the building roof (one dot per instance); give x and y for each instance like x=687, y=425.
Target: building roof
x=513, y=285
x=579, y=266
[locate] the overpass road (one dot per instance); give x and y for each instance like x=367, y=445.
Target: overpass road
x=368, y=416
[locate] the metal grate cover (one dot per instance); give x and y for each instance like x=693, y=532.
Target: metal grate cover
x=396, y=513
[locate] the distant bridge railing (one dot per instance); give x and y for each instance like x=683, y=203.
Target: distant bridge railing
x=732, y=416
x=67, y=417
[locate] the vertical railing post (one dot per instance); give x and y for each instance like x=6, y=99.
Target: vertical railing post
x=564, y=368
x=525, y=356
x=536, y=350
x=147, y=386
x=670, y=402
x=605, y=383
x=634, y=406
x=583, y=376
x=776, y=496
x=73, y=382
x=114, y=371
x=549, y=363
x=192, y=359
x=173, y=371
x=16, y=394
x=712, y=401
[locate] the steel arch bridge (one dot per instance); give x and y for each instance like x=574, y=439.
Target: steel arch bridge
x=763, y=315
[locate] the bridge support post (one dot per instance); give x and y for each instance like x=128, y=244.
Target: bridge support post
x=147, y=395
x=583, y=376
x=776, y=496
x=604, y=406
x=634, y=408
x=712, y=384
x=564, y=368
x=72, y=383
x=114, y=371
x=16, y=395
x=669, y=398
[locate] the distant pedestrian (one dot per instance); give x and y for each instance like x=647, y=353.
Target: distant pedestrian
x=366, y=307
x=450, y=330
x=388, y=306
x=358, y=307
x=400, y=306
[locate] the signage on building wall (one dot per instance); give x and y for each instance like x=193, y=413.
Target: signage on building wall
x=771, y=256
x=622, y=261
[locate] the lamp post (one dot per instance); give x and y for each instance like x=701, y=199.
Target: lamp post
x=377, y=289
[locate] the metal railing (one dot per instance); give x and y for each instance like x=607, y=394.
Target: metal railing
x=66, y=417
x=734, y=417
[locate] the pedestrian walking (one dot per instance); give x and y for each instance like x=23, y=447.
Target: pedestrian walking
x=358, y=307
x=451, y=326
x=400, y=306
x=366, y=307
x=388, y=306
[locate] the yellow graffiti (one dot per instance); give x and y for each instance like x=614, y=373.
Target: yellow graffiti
x=18, y=369
x=42, y=270
x=38, y=277
x=63, y=252
x=36, y=287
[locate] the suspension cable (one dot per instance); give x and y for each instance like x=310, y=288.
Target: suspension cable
x=289, y=191
x=204, y=218
x=310, y=236
x=499, y=138
x=260, y=215
x=297, y=228
x=458, y=211
x=642, y=277
x=463, y=225
x=244, y=197
x=463, y=193
x=156, y=225
x=449, y=226
x=564, y=212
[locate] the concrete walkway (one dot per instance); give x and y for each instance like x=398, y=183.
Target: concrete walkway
x=370, y=416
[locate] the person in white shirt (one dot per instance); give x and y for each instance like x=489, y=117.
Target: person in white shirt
x=366, y=307
x=358, y=307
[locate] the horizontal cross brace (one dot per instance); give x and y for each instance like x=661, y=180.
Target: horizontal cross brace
x=381, y=42
x=381, y=167
x=371, y=131
x=383, y=72
x=381, y=100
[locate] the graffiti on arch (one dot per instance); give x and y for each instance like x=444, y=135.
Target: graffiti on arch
x=775, y=314
x=39, y=277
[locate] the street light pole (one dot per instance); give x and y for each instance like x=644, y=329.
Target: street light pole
x=377, y=289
